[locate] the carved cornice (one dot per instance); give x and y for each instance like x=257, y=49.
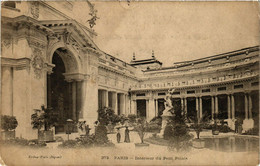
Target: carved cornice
x=75, y=77
x=36, y=43
x=25, y=21
x=19, y=64
x=71, y=31
x=117, y=71
x=214, y=84
x=89, y=50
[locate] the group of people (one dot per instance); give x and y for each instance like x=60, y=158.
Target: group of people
x=127, y=137
x=84, y=129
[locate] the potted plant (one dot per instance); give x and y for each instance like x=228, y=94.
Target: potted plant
x=198, y=125
x=8, y=126
x=141, y=127
x=44, y=119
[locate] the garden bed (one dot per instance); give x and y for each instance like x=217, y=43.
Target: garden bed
x=157, y=141
x=23, y=143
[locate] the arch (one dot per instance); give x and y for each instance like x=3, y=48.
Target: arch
x=69, y=56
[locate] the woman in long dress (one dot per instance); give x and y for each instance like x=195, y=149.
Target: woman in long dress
x=118, y=135
x=127, y=138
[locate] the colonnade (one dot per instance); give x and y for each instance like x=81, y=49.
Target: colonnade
x=118, y=101
x=75, y=97
x=214, y=105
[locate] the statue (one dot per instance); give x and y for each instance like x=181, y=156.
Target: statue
x=166, y=113
x=168, y=103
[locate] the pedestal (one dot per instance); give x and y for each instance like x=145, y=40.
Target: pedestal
x=164, y=123
x=231, y=124
x=247, y=124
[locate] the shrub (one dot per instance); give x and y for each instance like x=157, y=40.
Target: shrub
x=253, y=131
x=131, y=118
x=101, y=134
x=8, y=123
x=177, y=131
x=69, y=144
x=154, y=125
x=84, y=142
x=224, y=128
x=107, y=115
x=23, y=142
x=168, y=132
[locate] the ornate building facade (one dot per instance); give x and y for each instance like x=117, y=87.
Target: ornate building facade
x=49, y=57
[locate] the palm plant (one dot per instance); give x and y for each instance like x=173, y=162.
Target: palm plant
x=44, y=118
x=199, y=122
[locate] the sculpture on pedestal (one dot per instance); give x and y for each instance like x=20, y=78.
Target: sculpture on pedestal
x=166, y=113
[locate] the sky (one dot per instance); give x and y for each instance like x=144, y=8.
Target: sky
x=176, y=31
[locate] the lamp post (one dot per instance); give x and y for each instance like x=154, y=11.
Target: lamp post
x=69, y=127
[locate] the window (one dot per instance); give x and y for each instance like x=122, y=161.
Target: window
x=205, y=90
x=190, y=91
x=176, y=93
x=140, y=94
x=10, y=4
x=161, y=94
x=222, y=88
x=254, y=83
x=238, y=86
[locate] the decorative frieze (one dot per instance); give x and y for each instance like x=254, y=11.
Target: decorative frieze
x=35, y=11
x=38, y=62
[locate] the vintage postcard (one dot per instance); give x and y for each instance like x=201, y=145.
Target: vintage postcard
x=129, y=83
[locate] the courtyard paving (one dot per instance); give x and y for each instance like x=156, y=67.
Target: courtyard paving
x=125, y=154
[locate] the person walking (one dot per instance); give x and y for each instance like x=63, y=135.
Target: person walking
x=236, y=126
x=127, y=138
x=87, y=129
x=118, y=135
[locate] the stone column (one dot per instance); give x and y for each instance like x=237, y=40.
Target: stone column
x=7, y=91
x=233, y=106
x=212, y=107
x=126, y=104
x=106, y=98
x=147, y=109
x=134, y=107
x=151, y=111
x=201, y=108
x=156, y=107
x=250, y=106
x=80, y=99
x=197, y=106
x=185, y=106
x=216, y=104
x=248, y=122
x=182, y=104
x=246, y=106
x=122, y=103
x=114, y=102
x=49, y=90
x=74, y=100
x=231, y=123
x=70, y=96
x=228, y=106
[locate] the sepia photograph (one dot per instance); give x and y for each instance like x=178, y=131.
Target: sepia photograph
x=129, y=82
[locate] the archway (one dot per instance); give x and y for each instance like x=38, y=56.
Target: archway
x=63, y=94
